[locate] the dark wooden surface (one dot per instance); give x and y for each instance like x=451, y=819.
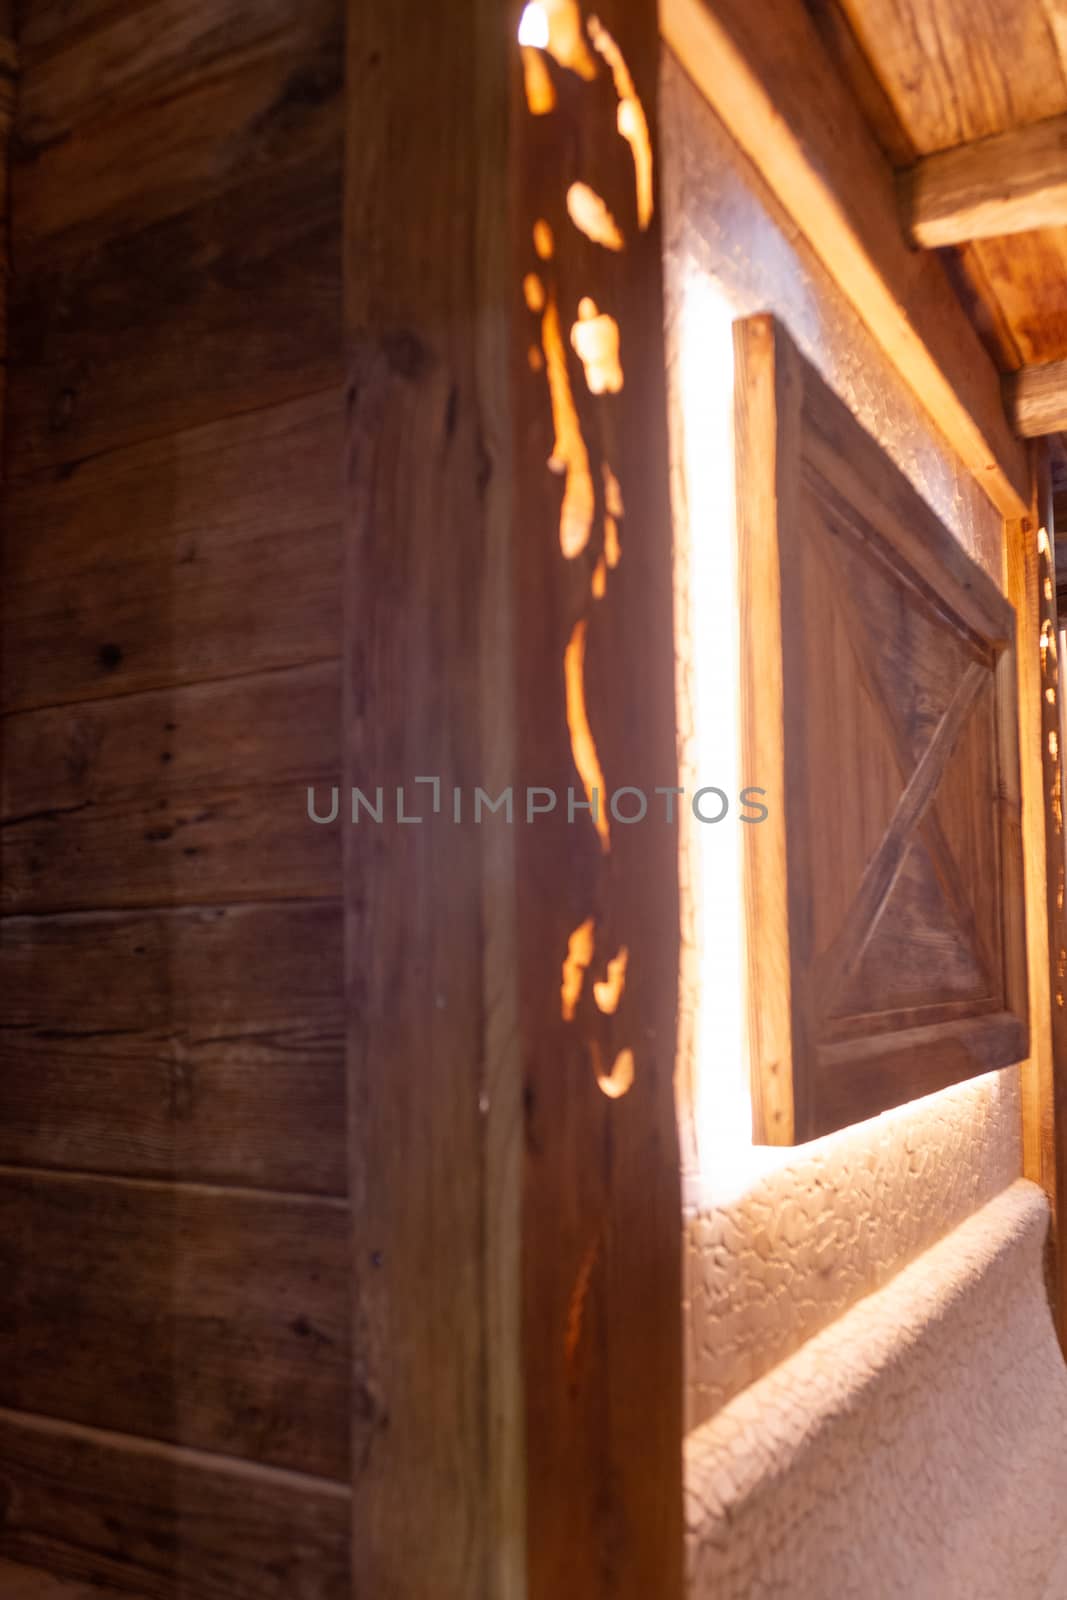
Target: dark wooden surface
x=170, y=946
x=162, y=1522
x=179, y=796
x=202, y=1317
x=202, y=1043
x=209, y=554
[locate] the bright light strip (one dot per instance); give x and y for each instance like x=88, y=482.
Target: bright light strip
x=722, y=1109
x=533, y=28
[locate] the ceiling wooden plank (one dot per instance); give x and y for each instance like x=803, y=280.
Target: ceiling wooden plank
x=1008, y=184
x=959, y=70
x=1037, y=399
x=778, y=93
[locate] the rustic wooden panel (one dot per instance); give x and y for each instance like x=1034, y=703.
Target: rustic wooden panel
x=453, y=429
x=167, y=1524
x=185, y=796
x=228, y=306
x=192, y=1044
x=153, y=110
x=208, y=553
x=887, y=958
x=87, y=61
x=777, y=91
x=209, y=1318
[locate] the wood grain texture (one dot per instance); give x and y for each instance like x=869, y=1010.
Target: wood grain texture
x=1036, y=399
x=883, y=961
x=164, y=1523
x=249, y=282
x=960, y=70
x=184, y=796
x=1008, y=184
x=777, y=91
x=455, y=654
x=201, y=555
x=208, y=1318
x=600, y=1287
x=956, y=73
x=204, y=1045
x=145, y=110
x=434, y=1070
x=1031, y=587
x=18, y=1582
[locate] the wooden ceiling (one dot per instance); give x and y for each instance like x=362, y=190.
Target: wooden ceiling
x=933, y=75
x=943, y=75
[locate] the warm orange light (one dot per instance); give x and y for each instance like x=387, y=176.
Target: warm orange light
x=583, y=745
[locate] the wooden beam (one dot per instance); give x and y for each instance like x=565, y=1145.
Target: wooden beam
x=1010, y=183
x=1036, y=399
x=514, y=1164
x=1030, y=586
x=771, y=81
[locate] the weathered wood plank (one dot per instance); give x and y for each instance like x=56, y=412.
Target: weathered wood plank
x=204, y=554
x=1007, y=184
x=208, y=1318
x=960, y=70
x=1036, y=399
x=184, y=796
x=19, y=1582
x=775, y=88
x=154, y=110
x=204, y=1045
x=229, y=306
x=164, y=1523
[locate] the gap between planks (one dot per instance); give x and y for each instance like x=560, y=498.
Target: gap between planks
x=215, y=1191
x=137, y=1444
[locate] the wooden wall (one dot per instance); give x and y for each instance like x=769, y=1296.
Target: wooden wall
x=174, y=1329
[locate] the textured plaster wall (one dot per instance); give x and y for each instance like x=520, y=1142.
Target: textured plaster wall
x=915, y=1448
x=805, y=1242
x=837, y=1220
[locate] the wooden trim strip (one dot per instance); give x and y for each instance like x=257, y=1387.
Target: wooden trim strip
x=772, y=83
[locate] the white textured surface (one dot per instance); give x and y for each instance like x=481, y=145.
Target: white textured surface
x=806, y=1241
x=916, y=1448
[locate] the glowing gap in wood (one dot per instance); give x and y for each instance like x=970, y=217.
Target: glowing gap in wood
x=619, y=1080
x=632, y=122
x=590, y=215
x=575, y=963
x=609, y=991
x=595, y=339
x=569, y=454
x=583, y=745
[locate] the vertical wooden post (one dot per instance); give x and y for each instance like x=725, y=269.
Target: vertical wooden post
x=515, y=1184
x=601, y=1229
x=1031, y=582
x=8, y=82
